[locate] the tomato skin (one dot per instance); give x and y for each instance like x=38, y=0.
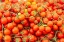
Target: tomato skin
x=20, y=26
x=38, y=33
x=50, y=23
x=31, y=31
x=9, y=19
x=55, y=16
x=41, y=28
x=1, y=35
x=31, y=19
x=10, y=26
x=47, y=29
x=62, y=40
x=42, y=14
x=29, y=10
x=49, y=16
x=60, y=35
x=7, y=32
x=0, y=26
x=35, y=27
x=4, y=20
x=45, y=20
x=15, y=30
x=32, y=24
x=55, y=27
x=16, y=20
x=45, y=40
x=59, y=23
x=38, y=19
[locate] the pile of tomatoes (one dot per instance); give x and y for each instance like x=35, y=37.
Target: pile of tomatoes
x=32, y=21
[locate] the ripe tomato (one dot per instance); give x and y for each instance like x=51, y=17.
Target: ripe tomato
x=38, y=19
x=15, y=30
x=50, y=23
x=32, y=24
x=60, y=35
x=10, y=26
x=45, y=20
x=9, y=19
x=62, y=40
x=42, y=14
x=7, y=32
x=45, y=40
x=4, y=20
x=41, y=28
x=24, y=32
x=21, y=17
x=55, y=16
x=29, y=10
x=16, y=20
x=49, y=16
x=38, y=33
x=7, y=38
x=20, y=26
x=31, y=31
x=59, y=11
x=55, y=27
x=35, y=27
x=59, y=23
x=31, y=19
x=47, y=29
x=1, y=15
x=7, y=14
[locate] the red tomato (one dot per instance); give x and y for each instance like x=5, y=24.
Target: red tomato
x=31, y=31
x=20, y=26
x=16, y=20
x=9, y=19
x=41, y=28
x=50, y=23
x=49, y=16
x=45, y=20
x=4, y=20
x=35, y=27
x=32, y=24
x=55, y=27
x=59, y=23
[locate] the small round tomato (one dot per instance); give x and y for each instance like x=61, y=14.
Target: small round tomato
x=45, y=40
x=29, y=10
x=59, y=23
x=38, y=33
x=59, y=11
x=60, y=35
x=7, y=32
x=21, y=17
x=49, y=16
x=41, y=28
x=24, y=32
x=32, y=24
x=10, y=26
x=31, y=31
x=47, y=29
x=31, y=19
x=62, y=40
x=55, y=16
x=16, y=20
x=55, y=27
x=7, y=38
x=42, y=14
x=9, y=19
x=50, y=23
x=4, y=20
x=35, y=27
x=1, y=35
x=38, y=19
x=7, y=14
x=45, y=20
x=20, y=26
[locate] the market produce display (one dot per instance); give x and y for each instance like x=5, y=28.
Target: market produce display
x=32, y=21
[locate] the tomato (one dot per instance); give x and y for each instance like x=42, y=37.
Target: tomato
x=38, y=33
x=55, y=27
x=1, y=15
x=7, y=14
x=62, y=40
x=1, y=35
x=38, y=19
x=45, y=20
x=24, y=32
x=15, y=30
x=59, y=11
x=29, y=10
x=45, y=40
x=50, y=36
x=7, y=38
x=31, y=31
x=9, y=19
x=16, y=20
x=49, y=16
x=35, y=27
x=21, y=17
x=4, y=20
x=47, y=29
x=20, y=26
x=41, y=28
x=59, y=23
x=42, y=14
x=55, y=16
x=50, y=23
x=51, y=1
x=10, y=26
x=7, y=32
x=32, y=24
x=31, y=19
x=0, y=26
x=60, y=35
